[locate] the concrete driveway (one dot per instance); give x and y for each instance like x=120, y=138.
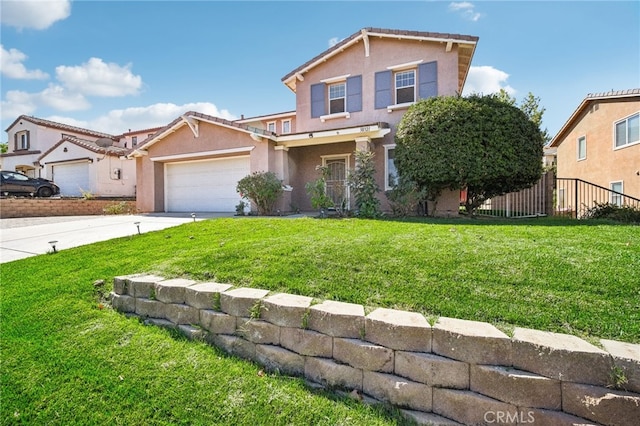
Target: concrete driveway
x=25, y=237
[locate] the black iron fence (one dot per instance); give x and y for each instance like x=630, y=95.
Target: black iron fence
x=575, y=197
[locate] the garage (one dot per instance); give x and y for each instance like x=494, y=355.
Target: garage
x=72, y=178
x=205, y=185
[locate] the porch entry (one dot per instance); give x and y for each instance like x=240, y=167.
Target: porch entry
x=336, y=182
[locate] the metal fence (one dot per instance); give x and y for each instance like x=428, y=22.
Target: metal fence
x=531, y=202
x=575, y=197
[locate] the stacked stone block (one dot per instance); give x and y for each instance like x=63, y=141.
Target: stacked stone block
x=450, y=373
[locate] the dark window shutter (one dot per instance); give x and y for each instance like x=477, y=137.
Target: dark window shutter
x=354, y=93
x=428, y=80
x=28, y=139
x=318, y=107
x=383, y=90
x=15, y=141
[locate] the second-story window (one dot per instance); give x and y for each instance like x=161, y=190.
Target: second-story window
x=286, y=126
x=627, y=131
x=271, y=126
x=405, y=86
x=582, y=148
x=21, y=140
x=337, y=98
x=134, y=140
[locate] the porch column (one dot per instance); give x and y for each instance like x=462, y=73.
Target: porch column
x=363, y=143
x=281, y=169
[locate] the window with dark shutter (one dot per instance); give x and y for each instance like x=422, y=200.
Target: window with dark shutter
x=383, y=89
x=428, y=80
x=317, y=100
x=337, y=98
x=354, y=93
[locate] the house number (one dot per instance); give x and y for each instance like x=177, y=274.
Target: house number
x=364, y=129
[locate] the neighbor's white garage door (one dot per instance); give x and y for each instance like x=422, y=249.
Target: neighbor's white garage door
x=72, y=178
x=204, y=186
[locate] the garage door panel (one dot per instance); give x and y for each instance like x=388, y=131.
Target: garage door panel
x=208, y=186
x=72, y=178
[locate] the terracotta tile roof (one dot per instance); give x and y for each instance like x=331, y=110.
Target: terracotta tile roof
x=135, y=132
x=61, y=126
x=381, y=31
x=203, y=117
x=113, y=151
x=612, y=95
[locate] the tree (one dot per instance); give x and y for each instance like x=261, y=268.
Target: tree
x=530, y=105
x=4, y=147
x=480, y=143
x=263, y=188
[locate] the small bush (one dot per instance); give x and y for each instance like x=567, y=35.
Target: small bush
x=121, y=207
x=626, y=214
x=263, y=188
x=363, y=183
x=404, y=199
x=317, y=191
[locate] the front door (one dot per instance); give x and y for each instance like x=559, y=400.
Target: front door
x=336, y=181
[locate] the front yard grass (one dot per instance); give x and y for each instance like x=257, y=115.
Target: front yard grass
x=64, y=360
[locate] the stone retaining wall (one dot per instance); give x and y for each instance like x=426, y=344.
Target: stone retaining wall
x=43, y=207
x=449, y=373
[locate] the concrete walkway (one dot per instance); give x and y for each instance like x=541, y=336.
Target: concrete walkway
x=25, y=237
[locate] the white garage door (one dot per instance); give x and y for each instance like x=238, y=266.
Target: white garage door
x=72, y=178
x=204, y=186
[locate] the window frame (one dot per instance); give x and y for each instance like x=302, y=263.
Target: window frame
x=343, y=97
x=582, y=139
x=396, y=87
x=616, y=198
x=134, y=141
x=23, y=143
x=625, y=120
x=275, y=126
x=388, y=148
x=282, y=124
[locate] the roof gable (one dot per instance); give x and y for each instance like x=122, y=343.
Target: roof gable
x=192, y=120
x=466, y=47
x=612, y=96
x=60, y=126
x=88, y=145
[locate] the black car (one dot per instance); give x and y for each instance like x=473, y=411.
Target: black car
x=17, y=183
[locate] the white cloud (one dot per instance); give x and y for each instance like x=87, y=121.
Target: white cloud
x=11, y=66
x=98, y=78
x=486, y=80
x=466, y=9
x=61, y=99
x=156, y=115
x=36, y=14
x=333, y=41
x=17, y=102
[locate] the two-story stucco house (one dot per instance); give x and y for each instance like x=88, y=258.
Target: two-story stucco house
x=78, y=160
x=350, y=97
x=600, y=144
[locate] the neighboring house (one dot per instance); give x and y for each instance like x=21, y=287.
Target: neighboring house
x=80, y=161
x=600, y=144
x=350, y=97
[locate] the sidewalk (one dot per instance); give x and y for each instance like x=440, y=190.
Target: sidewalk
x=25, y=237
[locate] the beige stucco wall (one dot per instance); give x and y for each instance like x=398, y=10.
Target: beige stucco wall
x=382, y=54
x=183, y=143
x=604, y=163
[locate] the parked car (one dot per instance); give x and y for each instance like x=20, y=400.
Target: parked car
x=18, y=183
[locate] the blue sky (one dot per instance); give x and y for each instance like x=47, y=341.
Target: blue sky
x=119, y=65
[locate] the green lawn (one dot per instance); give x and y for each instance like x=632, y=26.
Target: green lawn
x=65, y=361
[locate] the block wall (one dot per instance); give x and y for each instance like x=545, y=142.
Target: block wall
x=43, y=207
x=451, y=372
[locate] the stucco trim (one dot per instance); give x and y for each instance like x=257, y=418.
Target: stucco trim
x=202, y=154
x=349, y=134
